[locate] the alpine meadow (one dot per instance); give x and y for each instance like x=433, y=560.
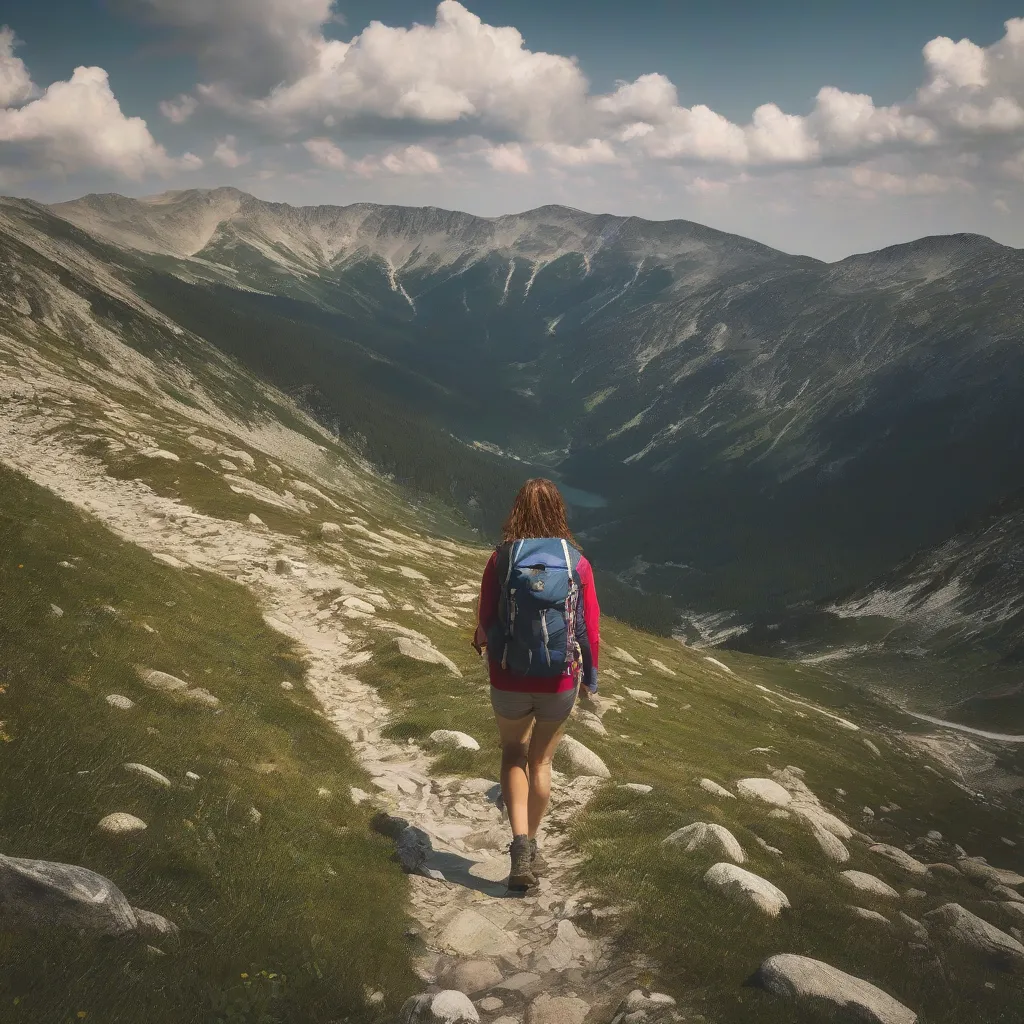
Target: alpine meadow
x=255, y=455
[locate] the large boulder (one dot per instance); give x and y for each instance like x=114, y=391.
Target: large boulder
x=453, y=738
x=831, y=845
x=472, y=977
x=546, y=1009
x=583, y=759
x=764, y=790
x=810, y=981
x=980, y=870
x=38, y=895
x=702, y=835
x=746, y=887
x=984, y=939
x=446, y=1007
x=156, y=929
x=419, y=650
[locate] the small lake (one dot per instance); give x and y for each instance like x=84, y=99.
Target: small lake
x=580, y=498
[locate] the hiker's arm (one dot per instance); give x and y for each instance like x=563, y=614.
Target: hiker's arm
x=592, y=619
x=487, y=606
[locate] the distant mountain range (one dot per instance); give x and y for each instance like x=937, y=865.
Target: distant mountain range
x=747, y=431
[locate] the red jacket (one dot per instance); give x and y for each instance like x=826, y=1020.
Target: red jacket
x=502, y=679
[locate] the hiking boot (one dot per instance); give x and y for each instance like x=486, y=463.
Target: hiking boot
x=537, y=862
x=521, y=875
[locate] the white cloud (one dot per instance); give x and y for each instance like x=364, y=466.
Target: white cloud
x=179, y=110
x=866, y=182
x=411, y=160
x=593, y=151
x=226, y=153
x=79, y=125
x=15, y=82
x=326, y=154
x=508, y=158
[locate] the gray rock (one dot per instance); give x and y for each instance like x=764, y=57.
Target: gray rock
x=254, y=520
x=155, y=928
x=1004, y=892
x=637, y=787
x=583, y=759
x=420, y=651
x=330, y=531
x=863, y=882
x=547, y=1009
x=471, y=934
x=490, y=1004
x=747, y=887
x=162, y=681
x=38, y=895
x=120, y=823
x=764, y=790
x=944, y=870
x=978, y=869
x=591, y=722
x=702, y=835
x=453, y=738
x=918, y=929
x=56, y=612
x=115, y=700
x=831, y=845
x=147, y=773
x=283, y=567
x=472, y=977
x=643, y=1005
x=900, y=858
x=993, y=945
x=810, y=981
x=446, y=1007
x=200, y=695
x=870, y=915
x=712, y=787
x=287, y=685
x=525, y=983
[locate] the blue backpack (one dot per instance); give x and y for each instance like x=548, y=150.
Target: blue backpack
x=539, y=616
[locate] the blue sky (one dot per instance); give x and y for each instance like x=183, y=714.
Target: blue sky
x=658, y=120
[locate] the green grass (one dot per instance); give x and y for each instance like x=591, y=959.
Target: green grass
x=707, y=725
x=308, y=894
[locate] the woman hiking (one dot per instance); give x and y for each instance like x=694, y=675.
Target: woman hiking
x=539, y=619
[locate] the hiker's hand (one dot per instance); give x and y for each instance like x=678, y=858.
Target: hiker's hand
x=479, y=640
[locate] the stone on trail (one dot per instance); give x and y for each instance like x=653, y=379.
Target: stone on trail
x=159, y=453
x=120, y=823
x=147, y=773
x=809, y=981
x=411, y=574
x=702, y=835
x=447, y=1007
x=471, y=934
x=900, y=858
x=863, y=882
x=764, y=790
x=992, y=944
x=453, y=738
x=115, y=700
x=715, y=789
x=547, y=1009
x=254, y=520
x=831, y=845
x=357, y=604
x=637, y=787
x=330, y=530
x=422, y=652
x=584, y=760
x=287, y=685
x=472, y=977
x=641, y=1003
x=38, y=895
x=591, y=722
x=747, y=887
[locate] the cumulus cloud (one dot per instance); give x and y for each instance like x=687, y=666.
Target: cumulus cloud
x=508, y=158
x=179, y=110
x=326, y=154
x=871, y=182
x=409, y=160
x=593, y=151
x=226, y=153
x=78, y=125
x=15, y=82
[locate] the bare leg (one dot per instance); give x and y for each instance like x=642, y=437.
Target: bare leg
x=515, y=784
x=542, y=749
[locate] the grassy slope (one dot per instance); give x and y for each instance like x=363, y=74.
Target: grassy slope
x=308, y=893
x=707, y=724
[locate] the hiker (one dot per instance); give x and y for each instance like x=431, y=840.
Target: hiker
x=539, y=619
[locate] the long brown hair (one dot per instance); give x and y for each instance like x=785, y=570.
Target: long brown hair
x=538, y=511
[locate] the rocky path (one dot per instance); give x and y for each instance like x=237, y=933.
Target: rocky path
x=483, y=954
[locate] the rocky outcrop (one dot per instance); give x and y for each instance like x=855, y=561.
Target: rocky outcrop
x=746, y=887
x=808, y=981
x=702, y=835
x=984, y=939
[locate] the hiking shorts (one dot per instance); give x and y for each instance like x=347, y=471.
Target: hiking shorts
x=547, y=707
